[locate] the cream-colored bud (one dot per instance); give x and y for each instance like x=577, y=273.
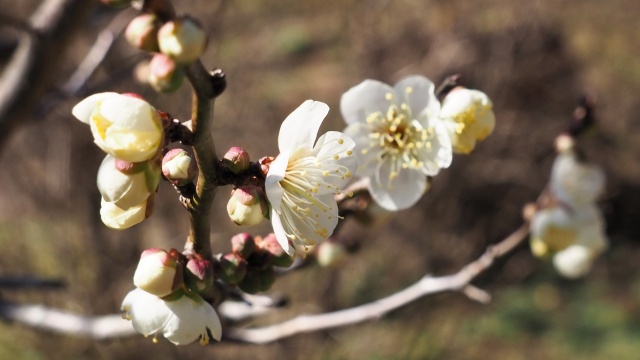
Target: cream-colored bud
x=183, y=40
x=124, y=126
x=468, y=116
x=164, y=74
x=130, y=187
x=237, y=160
x=247, y=205
x=142, y=32
x=158, y=273
x=118, y=218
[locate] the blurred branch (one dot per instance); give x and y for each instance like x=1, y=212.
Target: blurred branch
x=41, y=317
x=29, y=72
x=27, y=282
x=97, y=53
x=426, y=286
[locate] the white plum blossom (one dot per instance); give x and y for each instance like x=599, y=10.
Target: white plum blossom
x=181, y=321
x=575, y=261
x=468, y=116
x=130, y=187
x=123, y=126
x=118, y=218
x=303, y=178
x=575, y=182
x=399, y=139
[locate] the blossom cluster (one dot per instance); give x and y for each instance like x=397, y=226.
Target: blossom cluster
x=130, y=131
x=571, y=228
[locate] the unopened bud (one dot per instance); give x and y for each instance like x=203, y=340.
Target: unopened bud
x=247, y=205
x=178, y=167
x=182, y=39
x=278, y=256
x=199, y=275
x=164, y=74
x=158, y=272
x=233, y=268
x=237, y=160
x=119, y=218
x=264, y=164
x=243, y=244
x=330, y=253
x=142, y=32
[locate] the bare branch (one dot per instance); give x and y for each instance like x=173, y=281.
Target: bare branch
x=41, y=317
x=374, y=310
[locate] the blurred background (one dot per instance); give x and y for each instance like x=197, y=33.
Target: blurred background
x=534, y=59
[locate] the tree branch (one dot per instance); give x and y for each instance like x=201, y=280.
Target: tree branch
x=426, y=286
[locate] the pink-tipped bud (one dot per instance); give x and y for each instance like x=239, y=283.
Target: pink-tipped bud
x=247, y=205
x=237, y=160
x=183, y=40
x=164, y=74
x=278, y=256
x=199, y=274
x=243, y=244
x=233, y=268
x=158, y=272
x=264, y=164
x=178, y=167
x=142, y=32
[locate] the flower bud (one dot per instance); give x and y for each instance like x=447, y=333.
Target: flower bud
x=199, y=275
x=468, y=116
x=178, y=167
x=127, y=184
x=237, y=160
x=116, y=217
x=142, y=32
x=182, y=39
x=233, y=268
x=164, y=74
x=158, y=272
x=123, y=126
x=247, y=205
x=330, y=253
x=264, y=164
x=278, y=256
x=243, y=245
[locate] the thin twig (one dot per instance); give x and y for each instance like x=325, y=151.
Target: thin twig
x=427, y=285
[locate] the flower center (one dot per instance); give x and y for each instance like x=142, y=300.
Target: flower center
x=399, y=139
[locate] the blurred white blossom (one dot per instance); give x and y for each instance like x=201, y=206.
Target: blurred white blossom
x=468, y=116
x=399, y=139
x=574, y=182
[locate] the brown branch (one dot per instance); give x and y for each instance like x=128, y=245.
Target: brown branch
x=428, y=285
x=29, y=72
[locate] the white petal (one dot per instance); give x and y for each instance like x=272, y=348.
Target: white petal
x=300, y=128
x=366, y=157
x=574, y=182
x=440, y=155
x=124, y=190
x=148, y=312
x=276, y=173
x=131, y=113
x=280, y=233
x=83, y=110
x=325, y=215
x=400, y=193
x=191, y=320
x=366, y=98
x=418, y=92
x=334, y=152
x=116, y=217
x=574, y=261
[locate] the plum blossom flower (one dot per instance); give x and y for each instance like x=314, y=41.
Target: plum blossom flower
x=574, y=237
x=399, y=139
x=576, y=183
x=468, y=116
x=123, y=126
x=182, y=319
x=303, y=178
x=119, y=218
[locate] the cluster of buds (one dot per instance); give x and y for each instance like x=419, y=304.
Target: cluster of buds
x=174, y=44
x=570, y=228
x=130, y=131
x=250, y=264
x=248, y=204
x=168, y=300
